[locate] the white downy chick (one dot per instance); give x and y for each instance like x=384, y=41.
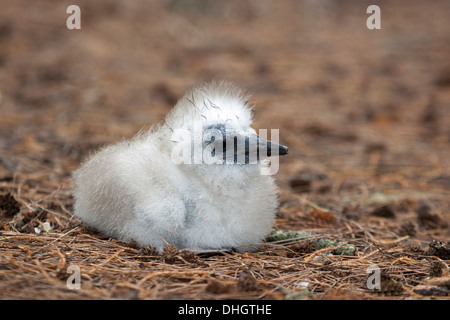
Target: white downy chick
x=187, y=181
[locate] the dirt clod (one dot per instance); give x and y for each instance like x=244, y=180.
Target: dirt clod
x=169, y=254
x=407, y=229
x=436, y=268
x=384, y=212
x=427, y=219
x=148, y=250
x=247, y=282
x=9, y=206
x=439, y=249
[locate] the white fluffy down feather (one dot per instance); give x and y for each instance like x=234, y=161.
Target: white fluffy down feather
x=134, y=191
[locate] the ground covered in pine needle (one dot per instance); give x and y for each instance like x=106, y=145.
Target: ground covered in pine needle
x=364, y=191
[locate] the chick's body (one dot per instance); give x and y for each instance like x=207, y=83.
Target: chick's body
x=134, y=191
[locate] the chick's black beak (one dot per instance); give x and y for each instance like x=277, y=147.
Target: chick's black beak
x=269, y=148
x=272, y=146
x=283, y=150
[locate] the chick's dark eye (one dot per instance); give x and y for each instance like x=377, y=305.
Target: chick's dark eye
x=213, y=138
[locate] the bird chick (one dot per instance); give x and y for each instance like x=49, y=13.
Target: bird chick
x=195, y=181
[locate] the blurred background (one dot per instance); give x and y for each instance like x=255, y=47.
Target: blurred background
x=351, y=103
x=365, y=114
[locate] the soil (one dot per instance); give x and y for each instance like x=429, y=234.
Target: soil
x=365, y=114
